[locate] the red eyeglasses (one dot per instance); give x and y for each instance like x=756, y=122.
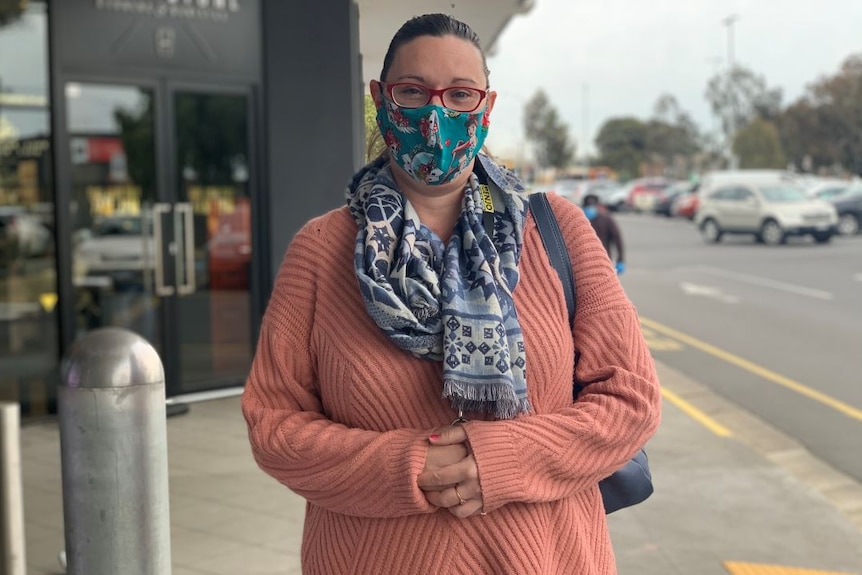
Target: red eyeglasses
x=458, y=98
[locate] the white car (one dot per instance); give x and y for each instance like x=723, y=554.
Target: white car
x=120, y=248
x=771, y=209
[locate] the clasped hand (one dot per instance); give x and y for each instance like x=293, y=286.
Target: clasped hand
x=451, y=478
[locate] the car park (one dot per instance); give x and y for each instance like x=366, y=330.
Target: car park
x=766, y=206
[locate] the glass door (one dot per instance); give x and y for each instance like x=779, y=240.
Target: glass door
x=161, y=216
x=117, y=256
x=212, y=177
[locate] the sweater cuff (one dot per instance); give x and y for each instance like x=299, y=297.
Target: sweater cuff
x=500, y=474
x=407, y=454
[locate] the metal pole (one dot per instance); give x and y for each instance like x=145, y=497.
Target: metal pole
x=113, y=446
x=12, y=554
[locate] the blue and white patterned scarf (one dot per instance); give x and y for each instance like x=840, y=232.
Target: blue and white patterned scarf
x=451, y=303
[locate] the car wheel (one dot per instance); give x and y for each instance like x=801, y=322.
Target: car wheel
x=823, y=238
x=771, y=233
x=710, y=232
x=848, y=225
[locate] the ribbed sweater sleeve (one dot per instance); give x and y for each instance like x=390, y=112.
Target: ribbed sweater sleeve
x=347, y=470
x=550, y=456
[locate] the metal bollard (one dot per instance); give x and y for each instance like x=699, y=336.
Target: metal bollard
x=113, y=446
x=12, y=556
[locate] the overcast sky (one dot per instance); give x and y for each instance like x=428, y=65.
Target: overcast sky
x=625, y=53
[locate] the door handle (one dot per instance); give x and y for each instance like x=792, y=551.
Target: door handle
x=161, y=288
x=189, y=286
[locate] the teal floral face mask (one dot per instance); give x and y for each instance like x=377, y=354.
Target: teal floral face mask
x=432, y=143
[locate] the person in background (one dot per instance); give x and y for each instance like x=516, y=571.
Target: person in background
x=418, y=401
x=606, y=229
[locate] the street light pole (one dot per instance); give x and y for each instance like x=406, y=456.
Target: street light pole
x=586, y=123
x=729, y=23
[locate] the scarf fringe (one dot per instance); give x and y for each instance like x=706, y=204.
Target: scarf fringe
x=498, y=399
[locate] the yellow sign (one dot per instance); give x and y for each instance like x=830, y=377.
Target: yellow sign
x=487, y=201
x=755, y=569
x=48, y=301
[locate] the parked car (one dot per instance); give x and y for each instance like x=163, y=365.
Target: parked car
x=569, y=188
x=614, y=199
x=849, y=207
x=665, y=199
x=643, y=193
x=768, y=208
x=686, y=205
x=118, y=247
x=828, y=189
x=229, y=249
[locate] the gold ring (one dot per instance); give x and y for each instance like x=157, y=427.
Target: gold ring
x=461, y=500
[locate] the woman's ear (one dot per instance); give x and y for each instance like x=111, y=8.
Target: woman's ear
x=492, y=98
x=376, y=92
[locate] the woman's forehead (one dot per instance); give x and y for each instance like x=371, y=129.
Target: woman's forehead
x=438, y=59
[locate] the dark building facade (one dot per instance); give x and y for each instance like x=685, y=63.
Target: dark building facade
x=156, y=157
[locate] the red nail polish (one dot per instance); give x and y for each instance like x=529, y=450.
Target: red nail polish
x=434, y=437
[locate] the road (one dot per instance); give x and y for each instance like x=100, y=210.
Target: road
x=776, y=330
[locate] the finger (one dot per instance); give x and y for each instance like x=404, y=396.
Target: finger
x=448, y=498
x=448, y=476
x=469, y=508
x=449, y=435
x=443, y=455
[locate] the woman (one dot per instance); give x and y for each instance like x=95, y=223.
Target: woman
x=353, y=393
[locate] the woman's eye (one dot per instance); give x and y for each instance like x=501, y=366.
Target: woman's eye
x=410, y=91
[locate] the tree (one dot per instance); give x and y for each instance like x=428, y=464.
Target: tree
x=758, y=145
x=673, y=139
x=547, y=132
x=11, y=11
x=622, y=144
x=824, y=126
x=739, y=96
x=374, y=144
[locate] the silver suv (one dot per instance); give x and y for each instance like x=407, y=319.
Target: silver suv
x=769, y=208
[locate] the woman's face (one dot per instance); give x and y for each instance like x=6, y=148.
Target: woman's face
x=437, y=62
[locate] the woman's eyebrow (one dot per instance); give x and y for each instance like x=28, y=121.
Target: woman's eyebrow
x=421, y=79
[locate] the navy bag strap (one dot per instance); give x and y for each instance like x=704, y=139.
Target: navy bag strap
x=631, y=484
x=552, y=238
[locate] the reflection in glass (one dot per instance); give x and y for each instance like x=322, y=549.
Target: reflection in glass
x=28, y=280
x=213, y=176
x=112, y=153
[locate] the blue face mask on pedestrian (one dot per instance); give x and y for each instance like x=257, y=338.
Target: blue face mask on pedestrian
x=591, y=212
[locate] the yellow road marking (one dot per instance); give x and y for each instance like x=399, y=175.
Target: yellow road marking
x=756, y=369
x=696, y=414
x=657, y=343
x=755, y=569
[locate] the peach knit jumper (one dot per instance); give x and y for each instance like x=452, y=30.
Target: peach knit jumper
x=341, y=416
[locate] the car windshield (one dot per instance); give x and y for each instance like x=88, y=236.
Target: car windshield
x=130, y=226
x=852, y=192
x=783, y=194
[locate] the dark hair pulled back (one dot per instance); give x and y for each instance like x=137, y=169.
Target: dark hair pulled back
x=437, y=25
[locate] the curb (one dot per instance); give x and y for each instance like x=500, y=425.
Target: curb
x=841, y=490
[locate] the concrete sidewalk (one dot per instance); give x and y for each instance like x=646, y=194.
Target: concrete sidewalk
x=717, y=500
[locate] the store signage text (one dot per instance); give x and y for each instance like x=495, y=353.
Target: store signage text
x=210, y=10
